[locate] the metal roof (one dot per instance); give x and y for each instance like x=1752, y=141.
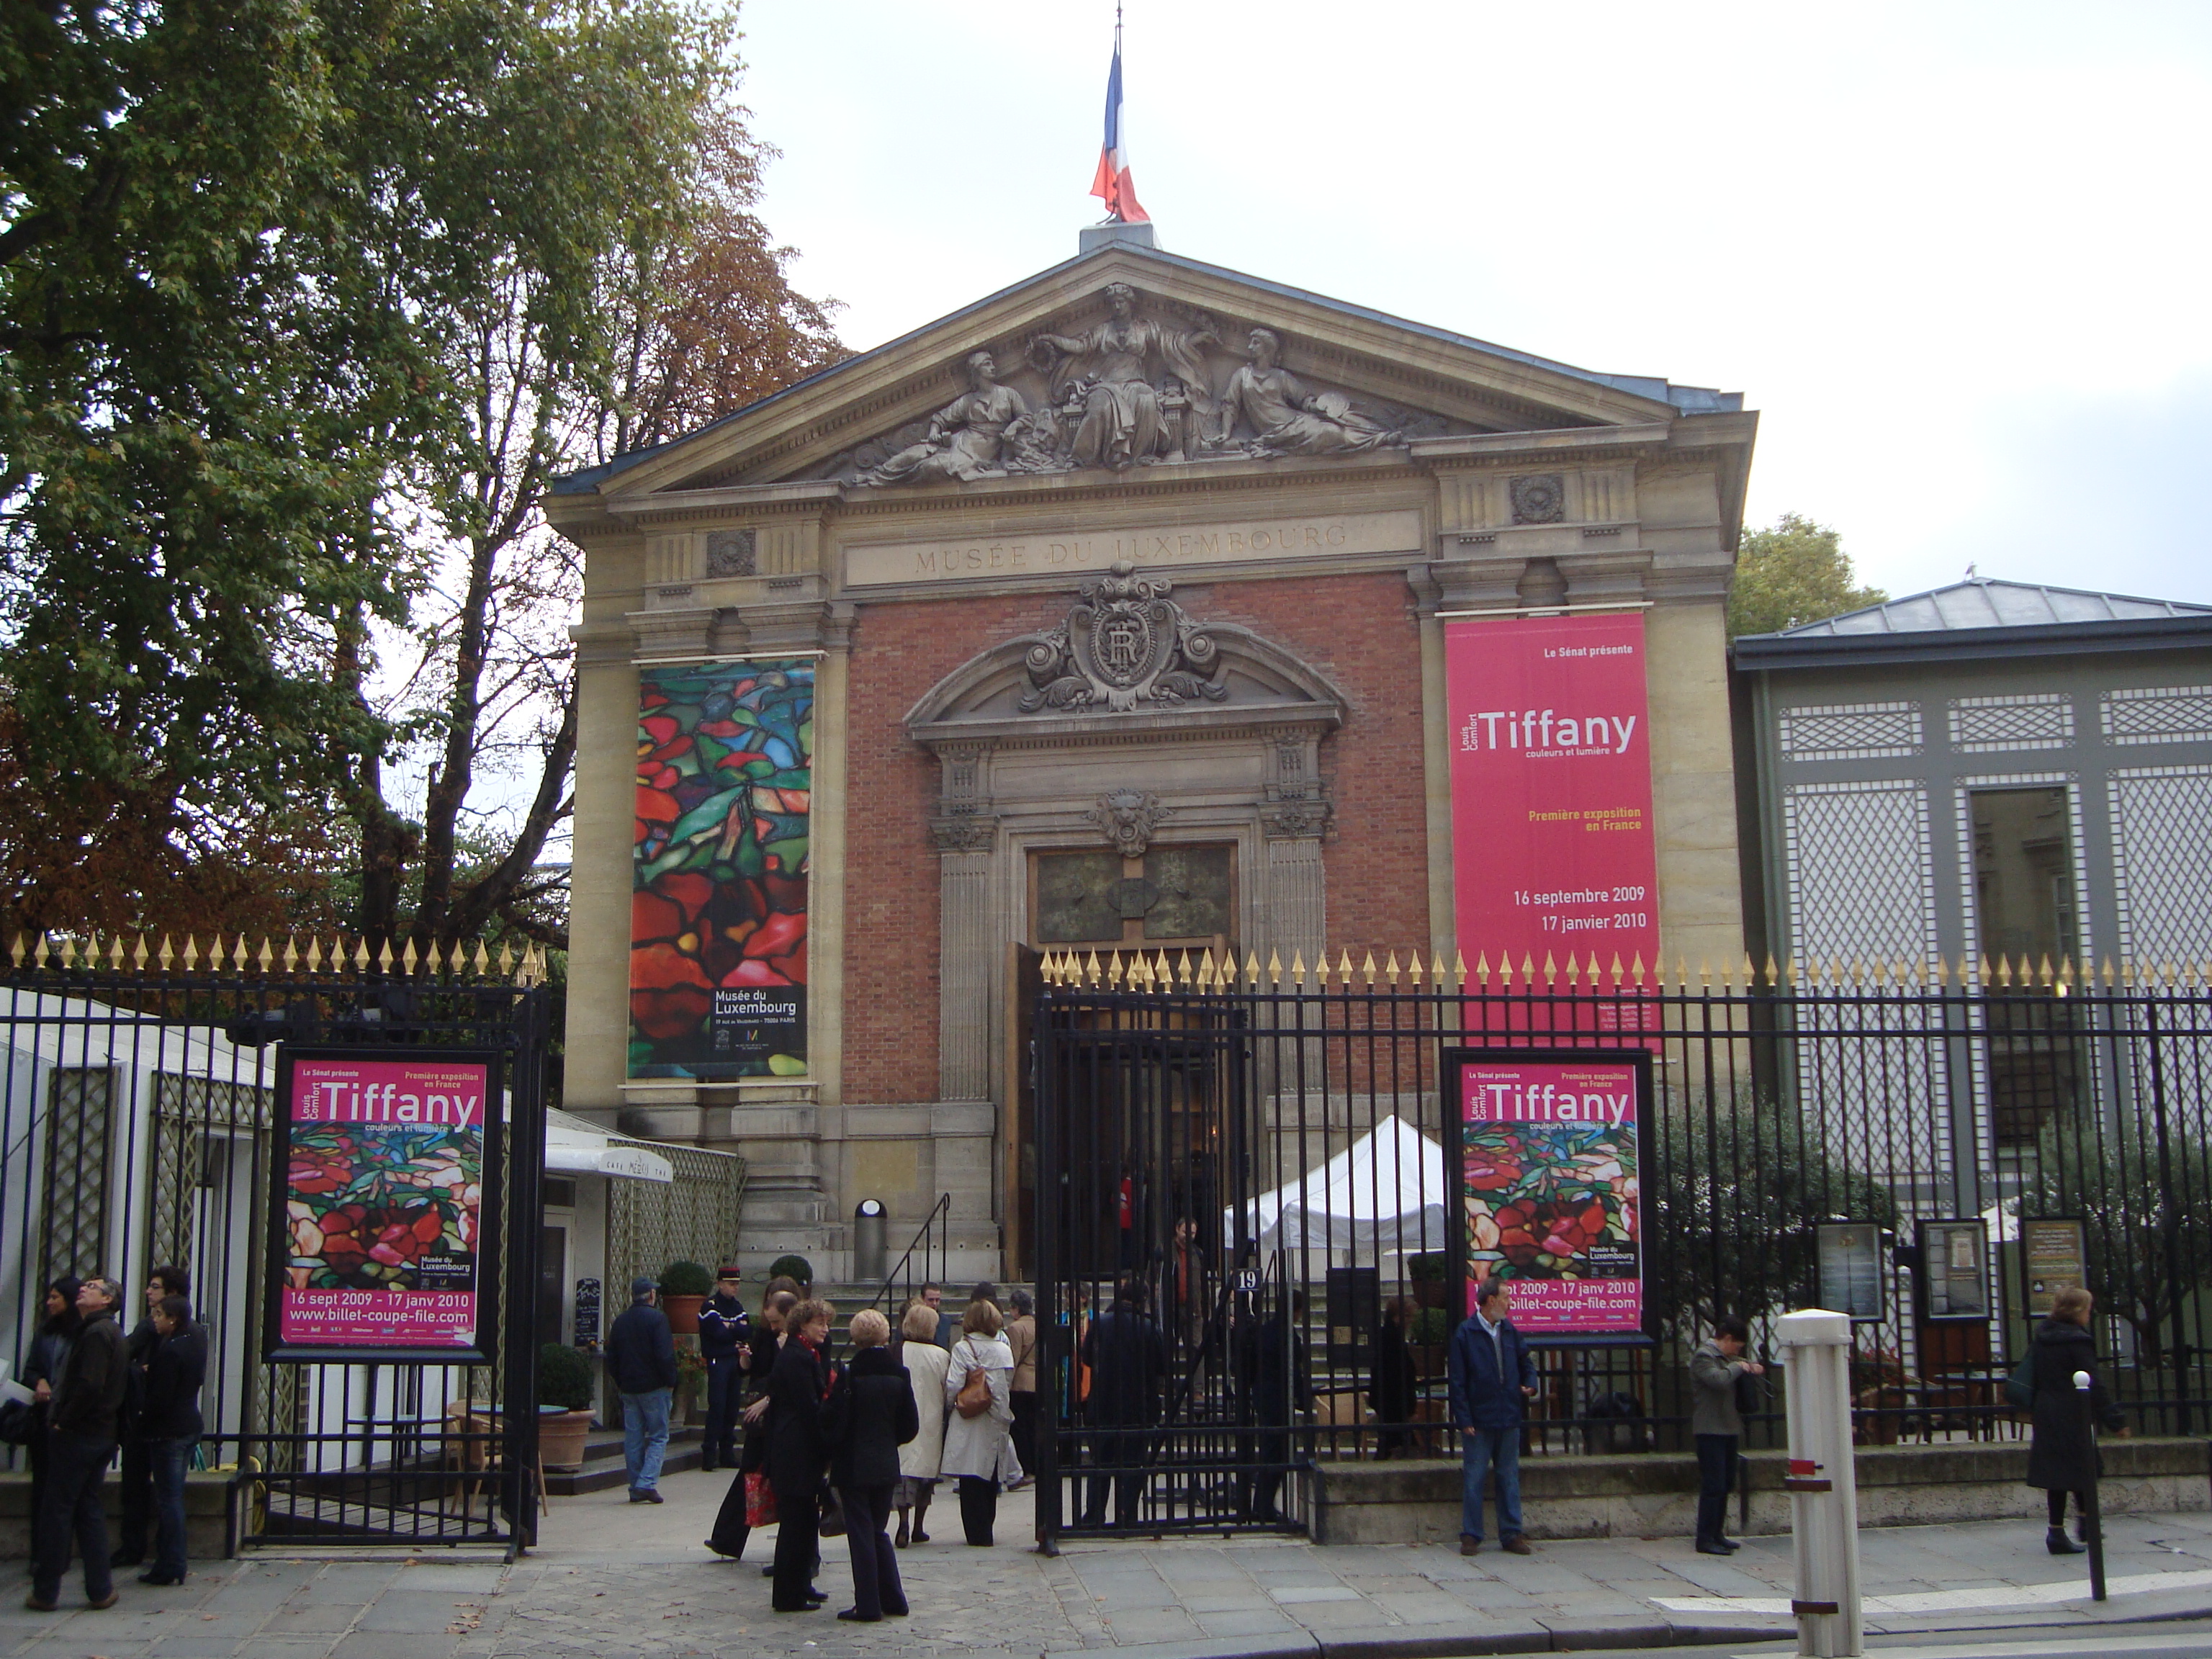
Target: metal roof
x=1984, y=602
x=1691, y=400
x=1981, y=617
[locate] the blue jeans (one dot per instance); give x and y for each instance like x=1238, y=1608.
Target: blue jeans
x=645, y=1436
x=169, y=1459
x=1482, y=1450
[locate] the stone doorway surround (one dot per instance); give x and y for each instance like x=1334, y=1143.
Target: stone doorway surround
x=1217, y=740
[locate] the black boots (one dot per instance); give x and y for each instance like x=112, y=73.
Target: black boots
x=2058, y=1543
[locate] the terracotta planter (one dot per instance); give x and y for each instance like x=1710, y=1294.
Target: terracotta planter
x=561, y=1439
x=1428, y=1360
x=683, y=1313
x=1433, y=1292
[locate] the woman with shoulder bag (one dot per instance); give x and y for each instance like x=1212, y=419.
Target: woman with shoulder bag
x=870, y=1415
x=979, y=1388
x=732, y=1523
x=921, y=1458
x=2062, y=1455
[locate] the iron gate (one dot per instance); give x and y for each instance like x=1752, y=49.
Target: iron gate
x=137, y=1114
x=1180, y=1105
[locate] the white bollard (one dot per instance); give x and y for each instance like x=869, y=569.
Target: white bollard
x=1824, y=1503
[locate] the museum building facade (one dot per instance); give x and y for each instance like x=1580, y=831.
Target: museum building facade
x=1110, y=612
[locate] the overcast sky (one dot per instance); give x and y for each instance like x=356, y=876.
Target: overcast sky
x=1955, y=255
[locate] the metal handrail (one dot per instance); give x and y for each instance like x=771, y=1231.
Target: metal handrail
x=942, y=1208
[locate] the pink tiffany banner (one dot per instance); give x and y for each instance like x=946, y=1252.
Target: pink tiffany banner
x=1549, y=1162
x=1552, y=854
x=382, y=1176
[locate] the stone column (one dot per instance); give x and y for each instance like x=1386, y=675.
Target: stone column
x=964, y=1019
x=966, y=836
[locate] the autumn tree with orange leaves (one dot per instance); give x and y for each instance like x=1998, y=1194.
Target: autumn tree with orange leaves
x=285, y=635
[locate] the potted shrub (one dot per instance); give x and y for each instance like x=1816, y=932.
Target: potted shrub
x=1431, y=1273
x=794, y=1267
x=684, y=1288
x=1431, y=1335
x=566, y=1389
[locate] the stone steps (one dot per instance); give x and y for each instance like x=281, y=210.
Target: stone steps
x=603, y=1465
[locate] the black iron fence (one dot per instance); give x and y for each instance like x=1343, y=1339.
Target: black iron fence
x=136, y=1116
x=1262, y=1148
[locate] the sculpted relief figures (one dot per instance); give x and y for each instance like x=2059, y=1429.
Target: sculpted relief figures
x=1132, y=391
x=965, y=436
x=1122, y=424
x=1287, y=417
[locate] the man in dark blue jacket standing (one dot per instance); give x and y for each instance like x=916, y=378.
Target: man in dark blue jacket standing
x=642, y=1359
x=725, y=1338
x=1492, y=1380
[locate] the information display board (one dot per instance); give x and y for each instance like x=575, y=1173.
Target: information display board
x=1849, y=1254
x=384, y=1206
x=2054, y=1256
x=1954, y=1272
x=1547, y=1147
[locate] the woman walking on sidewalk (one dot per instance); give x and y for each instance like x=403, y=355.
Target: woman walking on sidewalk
x=2063, y=1456
x=976, y=1448
x=920, y=1457
x=870, y=1416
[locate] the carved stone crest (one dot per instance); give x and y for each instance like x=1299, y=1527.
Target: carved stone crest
x=1127, y=817
x=1124, y=643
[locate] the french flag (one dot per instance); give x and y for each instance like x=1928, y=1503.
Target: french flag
x=1112, y=185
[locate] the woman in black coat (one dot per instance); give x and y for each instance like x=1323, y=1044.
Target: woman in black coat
x=2063, y=1456
x=797, y=1458
x=870, y=1415
x=42, y=1370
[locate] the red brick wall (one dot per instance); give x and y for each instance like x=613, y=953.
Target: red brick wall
x=1358, y=630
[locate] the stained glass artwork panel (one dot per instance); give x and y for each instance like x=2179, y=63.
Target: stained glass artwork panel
x=718, y=857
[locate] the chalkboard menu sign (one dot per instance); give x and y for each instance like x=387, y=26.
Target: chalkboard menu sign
x=587, y=1313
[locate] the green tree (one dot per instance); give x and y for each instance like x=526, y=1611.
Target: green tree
x=301, y=303
x=1797, y=572
x=2141, y=1204
x=1740, y=1183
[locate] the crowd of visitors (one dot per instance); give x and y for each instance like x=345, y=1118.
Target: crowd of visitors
x=93, y=1391
x=838, y=1446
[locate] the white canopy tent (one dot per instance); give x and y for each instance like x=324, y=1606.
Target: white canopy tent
x=576, y=1145
x=1384, y=1192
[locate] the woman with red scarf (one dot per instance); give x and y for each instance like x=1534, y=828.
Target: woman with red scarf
x=797, y=1457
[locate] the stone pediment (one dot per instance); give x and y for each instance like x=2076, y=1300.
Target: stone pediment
x=1131, y=358
x=1126, y=660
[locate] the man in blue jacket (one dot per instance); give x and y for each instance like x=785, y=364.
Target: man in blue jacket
x=1492, y=1380
x=642, y=1359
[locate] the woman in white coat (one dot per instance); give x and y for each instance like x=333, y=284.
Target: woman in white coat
x=920, y=1458
x=977, y=1448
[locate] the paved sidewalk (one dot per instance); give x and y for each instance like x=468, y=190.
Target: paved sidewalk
x=612, y=1580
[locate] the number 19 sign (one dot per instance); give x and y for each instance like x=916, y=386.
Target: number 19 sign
x=384, y=1206
x=1546, y=1143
